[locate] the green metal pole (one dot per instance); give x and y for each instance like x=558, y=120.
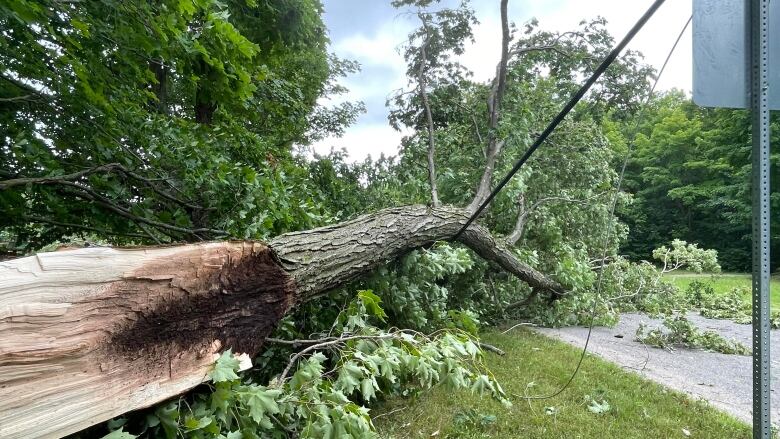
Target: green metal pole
x=758, y=38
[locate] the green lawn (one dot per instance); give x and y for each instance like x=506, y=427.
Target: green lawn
x=724, y=282
x=536, y=365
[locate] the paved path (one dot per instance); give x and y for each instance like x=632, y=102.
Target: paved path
x=723, y=380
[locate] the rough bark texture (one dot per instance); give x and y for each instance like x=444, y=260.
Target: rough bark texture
x=324, y=258
x=495, y=98
x=88, y=334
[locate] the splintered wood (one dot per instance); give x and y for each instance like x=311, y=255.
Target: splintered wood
x=89, y=334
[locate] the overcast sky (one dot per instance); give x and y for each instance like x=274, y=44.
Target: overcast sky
x=370, y=32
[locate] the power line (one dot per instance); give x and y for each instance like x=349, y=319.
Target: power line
x=565, y=111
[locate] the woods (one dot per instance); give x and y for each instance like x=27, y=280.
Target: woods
x=163, y=150
x=690, y=177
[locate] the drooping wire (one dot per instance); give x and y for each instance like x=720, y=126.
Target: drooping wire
x=611, y=217
x=565, y=111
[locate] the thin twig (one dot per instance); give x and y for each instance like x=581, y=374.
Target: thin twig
x=390, y=412
x=518, y=325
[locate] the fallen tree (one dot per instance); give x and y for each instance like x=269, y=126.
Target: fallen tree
x=88, y=334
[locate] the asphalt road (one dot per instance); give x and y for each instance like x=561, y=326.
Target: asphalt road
x=723, y=380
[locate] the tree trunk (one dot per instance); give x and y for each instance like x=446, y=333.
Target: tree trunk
x=89, y=334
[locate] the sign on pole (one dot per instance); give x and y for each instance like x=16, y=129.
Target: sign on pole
x=721, y=52
x=735, y=63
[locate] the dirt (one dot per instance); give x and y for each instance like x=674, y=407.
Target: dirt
x=723, y=380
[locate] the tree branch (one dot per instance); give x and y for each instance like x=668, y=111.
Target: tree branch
x=494, y=101
x=523, y=213
x=23, y=98
x=56, y=179
x=428, y=116
x=90, y=195
x=37, y=219
x=60, y=179
x=324, y=258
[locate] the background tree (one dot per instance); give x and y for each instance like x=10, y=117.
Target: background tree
x=690, y=177
x=165, y=121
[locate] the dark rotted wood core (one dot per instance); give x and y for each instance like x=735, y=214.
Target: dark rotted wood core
x=237, y=305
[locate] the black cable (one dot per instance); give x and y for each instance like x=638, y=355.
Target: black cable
x=611, y=217
x=565, y=111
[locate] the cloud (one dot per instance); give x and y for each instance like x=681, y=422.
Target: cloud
x=364, y=140
x=654, y=41
x=376, y=46
x=371, y=32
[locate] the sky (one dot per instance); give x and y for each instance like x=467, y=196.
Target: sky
x=371, y=32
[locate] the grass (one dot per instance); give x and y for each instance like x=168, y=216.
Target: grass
x=725, y=282
x=537, y=365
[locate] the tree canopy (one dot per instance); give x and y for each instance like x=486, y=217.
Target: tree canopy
x=690, y=177
x=164, y=121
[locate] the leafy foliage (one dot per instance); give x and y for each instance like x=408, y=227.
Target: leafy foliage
x=330, y=385
x=682, y=254
x=469, y=421
x=690, y=178
x=163, y=121
x=416, y=293
x=596, y=406
x=627, y=286
x=730, y=305
x=681, y=332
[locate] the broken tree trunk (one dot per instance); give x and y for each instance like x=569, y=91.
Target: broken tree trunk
x=89, y=334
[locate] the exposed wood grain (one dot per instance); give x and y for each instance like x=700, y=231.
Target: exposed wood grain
x=86, y=335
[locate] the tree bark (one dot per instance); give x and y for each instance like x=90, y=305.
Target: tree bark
x=324, y=258
x=89, y=334
x=495, y=98
x=160, y=86
x=522, y=217
x=429, y=119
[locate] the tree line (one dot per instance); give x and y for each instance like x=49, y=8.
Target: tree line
x=689, y=177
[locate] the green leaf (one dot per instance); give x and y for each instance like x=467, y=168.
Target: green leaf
x=221, y=398
x=310, y=370
x=260, y=400
x=225, y=368
x=371, y=301
x=119, y=434
x=187, y=7
x=482, y=384
x=599, y=407
x=192, y=424
x=152, y=421
x=169, y=418
x=349, y=378
x=367, y=388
